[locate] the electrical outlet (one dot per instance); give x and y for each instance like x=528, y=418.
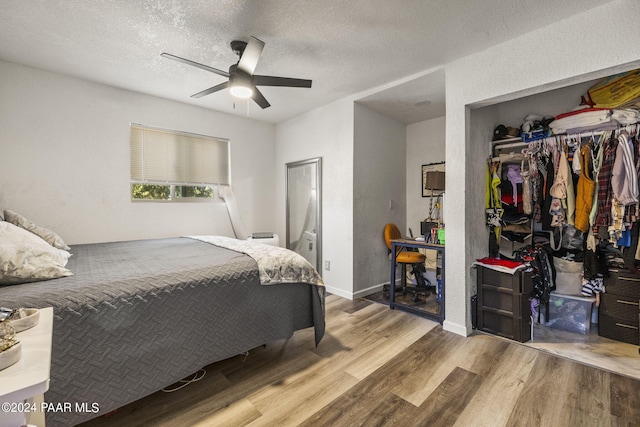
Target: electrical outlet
x=390, y=204
x=327, y=265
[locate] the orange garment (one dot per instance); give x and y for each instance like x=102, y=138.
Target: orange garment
x=586, y=188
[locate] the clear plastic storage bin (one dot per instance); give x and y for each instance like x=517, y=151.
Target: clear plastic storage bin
x=570, y=313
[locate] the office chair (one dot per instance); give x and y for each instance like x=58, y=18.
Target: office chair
x=415, y=259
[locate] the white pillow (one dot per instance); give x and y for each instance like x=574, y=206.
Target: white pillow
x=25, y=257
x=49, y=236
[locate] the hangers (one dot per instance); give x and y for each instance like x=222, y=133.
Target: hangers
x=532, y=148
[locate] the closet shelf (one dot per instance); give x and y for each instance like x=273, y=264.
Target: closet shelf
x=506, y=140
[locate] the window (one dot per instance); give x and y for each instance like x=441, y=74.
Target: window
x=173, y=166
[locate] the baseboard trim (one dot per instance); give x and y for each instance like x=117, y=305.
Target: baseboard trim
x=370, y=290
x=340, y=292
x=355, y=295
x=450, y=326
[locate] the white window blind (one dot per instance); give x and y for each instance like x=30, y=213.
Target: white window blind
x=164, y=156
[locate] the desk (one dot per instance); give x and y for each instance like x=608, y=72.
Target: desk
x=397, y=245
x=29, y=376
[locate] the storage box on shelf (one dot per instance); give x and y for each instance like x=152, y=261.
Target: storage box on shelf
x=619, y=312
x=503, y=303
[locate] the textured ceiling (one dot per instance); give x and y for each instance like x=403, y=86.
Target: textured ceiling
x=345, y=47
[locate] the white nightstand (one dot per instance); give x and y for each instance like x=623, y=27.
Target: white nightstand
x=28, y=379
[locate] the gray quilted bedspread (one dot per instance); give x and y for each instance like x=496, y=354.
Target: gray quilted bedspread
x=138, y=316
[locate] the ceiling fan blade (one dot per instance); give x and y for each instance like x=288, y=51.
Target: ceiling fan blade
x=280, y=81
x=251, y=55
x=211, y=90
x=195, y=64
x=260, y=99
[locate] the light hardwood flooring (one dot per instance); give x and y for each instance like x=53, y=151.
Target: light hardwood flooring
x=381, y=367
x=589, y=348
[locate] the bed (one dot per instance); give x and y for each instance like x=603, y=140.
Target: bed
x=138, y=316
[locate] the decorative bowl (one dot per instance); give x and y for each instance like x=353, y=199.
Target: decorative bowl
x=10, y=355
x=31, y=317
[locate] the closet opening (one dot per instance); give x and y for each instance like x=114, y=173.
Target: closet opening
x=548, y=205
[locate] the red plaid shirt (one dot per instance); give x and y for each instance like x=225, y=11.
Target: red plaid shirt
x=605, y=194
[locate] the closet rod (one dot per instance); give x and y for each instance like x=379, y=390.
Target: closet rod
x=511, y=145
x=579, y=135
x=628, y=128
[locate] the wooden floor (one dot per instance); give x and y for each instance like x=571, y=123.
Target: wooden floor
x=590, y=348
x=378, y=367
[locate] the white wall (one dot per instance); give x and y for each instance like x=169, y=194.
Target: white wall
x=378, y=194
x=326, y=132
x=573, y=53
x=425, y=144
x=64, y=160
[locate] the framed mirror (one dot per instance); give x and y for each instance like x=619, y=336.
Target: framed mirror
x=303, y=211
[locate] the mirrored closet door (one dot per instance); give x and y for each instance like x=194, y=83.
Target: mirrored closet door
x=304, y=201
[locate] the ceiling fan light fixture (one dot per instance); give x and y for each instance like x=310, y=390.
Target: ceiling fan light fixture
x=241, y=91
x=240, y=85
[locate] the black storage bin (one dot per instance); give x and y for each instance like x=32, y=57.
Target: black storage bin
x=503, y=303
x=619, y=311
x=614, y=329
x=474, y=311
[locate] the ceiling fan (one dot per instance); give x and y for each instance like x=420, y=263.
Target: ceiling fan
x=242, y=82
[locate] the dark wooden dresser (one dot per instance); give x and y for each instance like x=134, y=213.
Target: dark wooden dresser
x=503, y=303
x=619, y=312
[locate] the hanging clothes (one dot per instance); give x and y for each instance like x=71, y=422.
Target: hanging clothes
x=493, y=207
x=558, y=191
x=527, y=195
x=586, y=187
x=624, y=179
x=598, y=204
x=545, y=198
x=617, y=225
x=493, y=204
x=605, y=195
x=514, y=176
x=571, y=195
x=597, y=165
x=559, y=187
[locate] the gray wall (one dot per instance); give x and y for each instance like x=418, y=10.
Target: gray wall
x=326, y=132
x=379, y=194
x=65, y=160
x=425, y=144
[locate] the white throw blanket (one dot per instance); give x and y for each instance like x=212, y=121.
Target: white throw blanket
x=275, y=264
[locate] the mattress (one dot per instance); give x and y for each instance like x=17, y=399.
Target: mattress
x=140, y=315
